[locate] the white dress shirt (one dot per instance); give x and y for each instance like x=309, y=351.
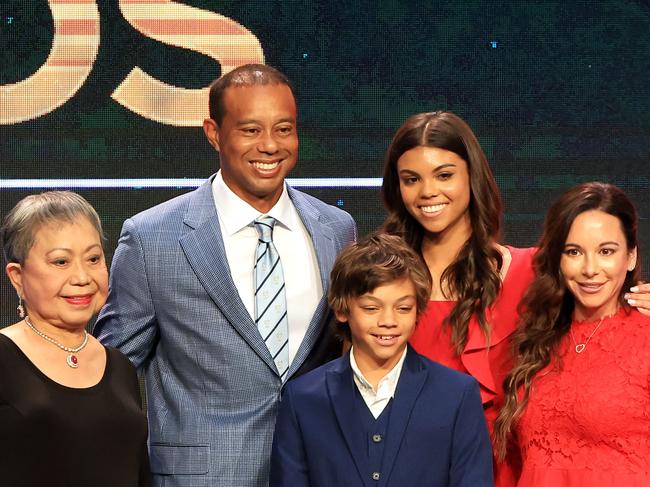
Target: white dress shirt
x=294, y=245
x=378, y=399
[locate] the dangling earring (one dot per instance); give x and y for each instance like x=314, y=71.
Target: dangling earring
x=20, y=309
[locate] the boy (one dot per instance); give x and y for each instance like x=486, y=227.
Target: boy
x=381, y=415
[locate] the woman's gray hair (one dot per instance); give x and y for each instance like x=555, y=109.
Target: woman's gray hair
x=34, y=211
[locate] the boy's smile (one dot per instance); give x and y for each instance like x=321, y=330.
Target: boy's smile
x=381, y=322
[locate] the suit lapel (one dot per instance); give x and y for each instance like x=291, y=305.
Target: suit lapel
x=340, y=388
x=411, y=381
x=325, y=251
x=205, y=252
x=320, y=235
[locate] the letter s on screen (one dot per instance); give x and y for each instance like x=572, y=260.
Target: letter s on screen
x=202, y=31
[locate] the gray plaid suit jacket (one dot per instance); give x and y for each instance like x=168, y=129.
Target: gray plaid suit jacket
x=212, y=387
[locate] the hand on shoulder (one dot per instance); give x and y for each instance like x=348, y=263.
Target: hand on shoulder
x=507, y=259
x=639, y=297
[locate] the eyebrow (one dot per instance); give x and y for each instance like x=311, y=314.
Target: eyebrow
x=406, y=298
x=70, y=250
x=437, y=169
x=569, y=244
x=373, y=298
x=251, y=120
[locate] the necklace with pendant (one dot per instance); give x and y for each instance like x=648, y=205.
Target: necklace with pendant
x=71, y=359
x=580, y=347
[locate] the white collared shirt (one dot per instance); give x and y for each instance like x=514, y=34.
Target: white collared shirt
x=377, y=400
x=294, y=245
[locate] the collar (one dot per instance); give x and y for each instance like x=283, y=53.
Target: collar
x=386, y=386
x=236, y=214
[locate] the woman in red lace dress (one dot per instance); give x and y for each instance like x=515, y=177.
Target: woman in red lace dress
x=578, y=398
x=443, y=199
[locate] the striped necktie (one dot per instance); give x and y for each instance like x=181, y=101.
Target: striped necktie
x=270, y=299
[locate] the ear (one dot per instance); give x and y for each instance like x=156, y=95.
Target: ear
x=211, y=131
x=632, y=263
x=341, y=317
x=15, y=274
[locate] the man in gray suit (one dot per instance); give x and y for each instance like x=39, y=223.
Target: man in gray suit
x=183, y=304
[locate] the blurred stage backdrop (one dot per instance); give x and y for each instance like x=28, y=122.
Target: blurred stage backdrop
x=106, y=97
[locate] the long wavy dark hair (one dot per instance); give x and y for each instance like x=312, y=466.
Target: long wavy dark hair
x=474, y=276
x=547, y=307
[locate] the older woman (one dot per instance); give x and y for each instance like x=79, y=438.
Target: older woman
x=70, y=410
x=578, y=398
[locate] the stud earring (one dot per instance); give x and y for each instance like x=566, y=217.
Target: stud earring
x=20, y=309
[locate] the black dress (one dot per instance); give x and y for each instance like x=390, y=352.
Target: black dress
x=53, y=435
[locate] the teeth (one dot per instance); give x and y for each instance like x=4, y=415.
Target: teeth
x=385, y=337
x=433, y=208
x=266, y=165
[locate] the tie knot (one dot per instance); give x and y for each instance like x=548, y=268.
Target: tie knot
x=264, y=226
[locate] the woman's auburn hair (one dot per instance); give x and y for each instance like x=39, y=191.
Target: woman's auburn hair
x=547, y=306
x=474, y=276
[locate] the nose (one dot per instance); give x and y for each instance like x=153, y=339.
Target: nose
x=387, y=318
x=429, y=188
x=589, y=265
x=80, y=275
x=267, y=143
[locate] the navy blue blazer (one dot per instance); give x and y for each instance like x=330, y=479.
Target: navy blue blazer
x=437, y=434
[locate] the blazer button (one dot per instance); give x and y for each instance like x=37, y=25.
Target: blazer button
x=376, y=438
x=376, y=475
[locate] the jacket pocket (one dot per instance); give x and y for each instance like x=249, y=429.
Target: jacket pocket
x=171, y=459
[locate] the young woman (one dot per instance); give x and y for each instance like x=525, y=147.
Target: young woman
x=578, y=398
x=443, y=200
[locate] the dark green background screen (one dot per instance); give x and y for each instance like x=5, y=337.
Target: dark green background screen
x=556, y=91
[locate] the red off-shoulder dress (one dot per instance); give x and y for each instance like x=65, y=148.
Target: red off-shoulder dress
x=488, y=365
